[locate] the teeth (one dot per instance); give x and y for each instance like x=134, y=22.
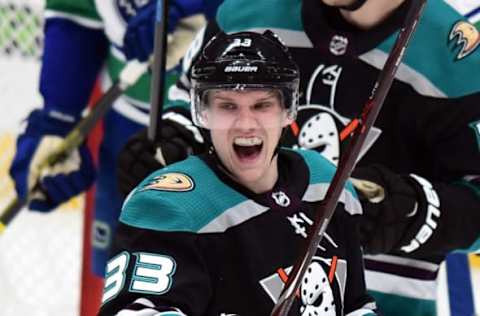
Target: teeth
x=247, y=141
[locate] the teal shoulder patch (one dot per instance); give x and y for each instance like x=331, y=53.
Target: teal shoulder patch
x=230, y=19
x=444, y=49
x=185, y=196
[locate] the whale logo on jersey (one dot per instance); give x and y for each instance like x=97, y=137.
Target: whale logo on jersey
x=178, y=182
x=465, y=36
x=129, y=8
x=319, y=127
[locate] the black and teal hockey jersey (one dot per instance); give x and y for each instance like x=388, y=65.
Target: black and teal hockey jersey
x=429, y=124
x=193, y=239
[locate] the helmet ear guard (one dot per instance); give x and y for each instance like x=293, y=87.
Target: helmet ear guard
x=244, y=60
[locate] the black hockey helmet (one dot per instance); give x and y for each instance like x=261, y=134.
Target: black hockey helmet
x=244, y=60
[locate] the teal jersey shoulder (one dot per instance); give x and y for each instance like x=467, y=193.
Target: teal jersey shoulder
x=442, y=58
x=321, y=169
x=444, y=48
x=186, y=196
x=231, y=19
x=322, y=172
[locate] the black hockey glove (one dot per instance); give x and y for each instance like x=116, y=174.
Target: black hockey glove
x=139, y=157
x=390, y=202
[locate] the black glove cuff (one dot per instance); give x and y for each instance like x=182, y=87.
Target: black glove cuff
x=354, y=6
x=425, y=220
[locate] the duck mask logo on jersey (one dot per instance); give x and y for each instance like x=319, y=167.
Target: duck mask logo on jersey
x=319, y=127
x=322, y=285
x=178, y=182
x=464, y=36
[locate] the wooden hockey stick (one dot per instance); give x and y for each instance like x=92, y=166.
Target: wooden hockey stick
x=158, y=70
x=127, y=77
x=347, y=161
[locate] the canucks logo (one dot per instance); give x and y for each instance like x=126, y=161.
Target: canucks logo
x=129, y=8
x=466, y=37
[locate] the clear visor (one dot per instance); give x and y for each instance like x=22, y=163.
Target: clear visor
x=247, y=106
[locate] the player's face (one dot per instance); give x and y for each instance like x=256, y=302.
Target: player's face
x=245, y=128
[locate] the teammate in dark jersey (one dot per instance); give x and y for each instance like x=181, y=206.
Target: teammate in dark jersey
x=218, y=233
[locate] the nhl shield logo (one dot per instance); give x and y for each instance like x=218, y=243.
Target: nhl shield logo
x=338, y=45
x=281, y=198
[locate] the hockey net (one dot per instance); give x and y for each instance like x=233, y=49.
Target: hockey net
x=40, y=254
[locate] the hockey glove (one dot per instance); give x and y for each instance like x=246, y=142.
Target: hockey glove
x=53, y=184
x=140, y=156
x=390, y=204
x=139, y=35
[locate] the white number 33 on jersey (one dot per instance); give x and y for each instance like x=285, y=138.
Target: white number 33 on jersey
x=152, y=274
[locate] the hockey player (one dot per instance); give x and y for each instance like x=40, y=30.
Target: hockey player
x=217, y=233
x=424, y=149
x=80, y=37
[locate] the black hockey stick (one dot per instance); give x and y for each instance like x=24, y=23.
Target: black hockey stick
x=128, y=76
x=158, y=70
x=347, y=161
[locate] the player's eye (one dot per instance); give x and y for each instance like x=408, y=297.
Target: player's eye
x=263, y=106
x=227, y=106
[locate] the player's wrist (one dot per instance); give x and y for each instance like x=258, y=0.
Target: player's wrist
x=424, y=221
x=49, y=122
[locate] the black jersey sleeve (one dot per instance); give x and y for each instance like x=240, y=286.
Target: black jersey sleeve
x=153, y=270
x=357, y=300
x=447, y=176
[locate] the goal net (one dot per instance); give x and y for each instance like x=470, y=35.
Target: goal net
x=40, y=254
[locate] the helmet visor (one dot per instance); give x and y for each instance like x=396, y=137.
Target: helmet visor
x=220, y=106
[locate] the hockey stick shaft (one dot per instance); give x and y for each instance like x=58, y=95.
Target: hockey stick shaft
x=128, y=76
x=158, y=70
x=368, y=116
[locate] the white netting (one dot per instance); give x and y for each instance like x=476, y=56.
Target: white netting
x=21, y=28
x=40, y=254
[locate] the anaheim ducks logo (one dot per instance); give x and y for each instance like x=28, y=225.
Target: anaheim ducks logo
x=178, y=182
x=466, y=36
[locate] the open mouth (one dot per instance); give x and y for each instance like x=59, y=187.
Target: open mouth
x=247, y=148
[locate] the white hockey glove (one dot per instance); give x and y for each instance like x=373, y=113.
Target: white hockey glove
x=53, y=184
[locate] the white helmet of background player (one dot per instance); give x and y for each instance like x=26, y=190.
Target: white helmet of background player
x=240, y=61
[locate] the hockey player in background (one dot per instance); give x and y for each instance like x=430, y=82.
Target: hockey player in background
x=424, y=150
x=81, y=37
x=216, y=234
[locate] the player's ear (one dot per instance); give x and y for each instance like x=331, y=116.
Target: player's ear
x=287, y=119
x=205, y=119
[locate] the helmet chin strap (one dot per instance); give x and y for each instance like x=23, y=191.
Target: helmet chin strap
x=357, y=4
